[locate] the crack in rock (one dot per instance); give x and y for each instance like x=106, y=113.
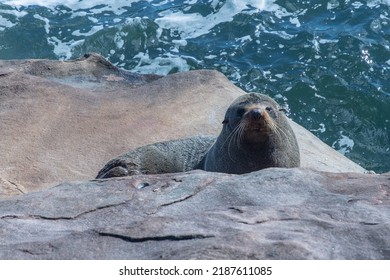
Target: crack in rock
x=236, y=209
x=179, y=200
x=369, y=223
x=17, y=187
x=39, y=250
x=156, y=238
x=41, y=217
x=267, y=221
x=196, y=191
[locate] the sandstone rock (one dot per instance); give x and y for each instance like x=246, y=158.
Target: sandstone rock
x=68, y=121
x=62, y=121
x=268, y=214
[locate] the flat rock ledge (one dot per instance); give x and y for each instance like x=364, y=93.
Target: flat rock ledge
x=269, y=214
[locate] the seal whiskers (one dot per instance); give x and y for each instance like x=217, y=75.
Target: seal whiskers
x=235, y=136
x=274, y=127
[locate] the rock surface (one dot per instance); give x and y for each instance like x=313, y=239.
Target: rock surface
x=60, y=122
x=268, y=214
x=63, y=121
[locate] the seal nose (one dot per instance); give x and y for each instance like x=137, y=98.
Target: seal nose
x=255, y=114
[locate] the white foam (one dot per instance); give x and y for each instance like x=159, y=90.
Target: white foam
x=61, y=49
x=212, y=56
x=316, y=45
x=213, y=3
x=32, y=2
x=281, y=34
x=374, y=3
x=279, y=76
x=295, y=21
x=79, y=14
x=193, y=25
x=344, y=144
x=93, y=20
x=277, y=10
x=321, y=129
x=244, y=39
x=332, y=4
x=162, y=3
x=5, y=23
x=118, y=39
x=46, y=21
x=161, y=65
x=235, y=76
x=319, y=96
x=326, y=41
x=73, y=4
x=179, y=43
x=92, y=31
x=15, y=13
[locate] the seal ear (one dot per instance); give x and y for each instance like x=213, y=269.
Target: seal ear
x=225, y=121
x=282, y=110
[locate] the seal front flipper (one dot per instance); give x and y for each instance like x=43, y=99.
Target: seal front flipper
x=116, y=171
x=117, y=168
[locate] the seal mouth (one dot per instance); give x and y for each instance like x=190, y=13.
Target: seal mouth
x=257, y=132
x=259, y=127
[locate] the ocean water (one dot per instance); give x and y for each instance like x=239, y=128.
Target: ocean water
x=327, y=62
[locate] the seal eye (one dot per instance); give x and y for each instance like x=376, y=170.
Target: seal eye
x=240, y=112
x=271, y=112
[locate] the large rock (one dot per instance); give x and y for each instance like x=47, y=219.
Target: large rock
x=63, y=121
x=268, y=214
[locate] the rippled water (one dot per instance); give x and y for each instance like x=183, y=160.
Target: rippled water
x=328, y=62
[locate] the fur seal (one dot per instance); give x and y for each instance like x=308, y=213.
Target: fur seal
x=255, y=135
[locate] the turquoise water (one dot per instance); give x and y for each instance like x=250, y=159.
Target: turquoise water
x=327, y=62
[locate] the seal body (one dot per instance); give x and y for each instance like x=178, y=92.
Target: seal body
x=178, y=155
x=255, y=135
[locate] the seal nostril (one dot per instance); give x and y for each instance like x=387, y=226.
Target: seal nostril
x=255, y=114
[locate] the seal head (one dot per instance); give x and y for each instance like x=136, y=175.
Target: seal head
x=255, y=135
